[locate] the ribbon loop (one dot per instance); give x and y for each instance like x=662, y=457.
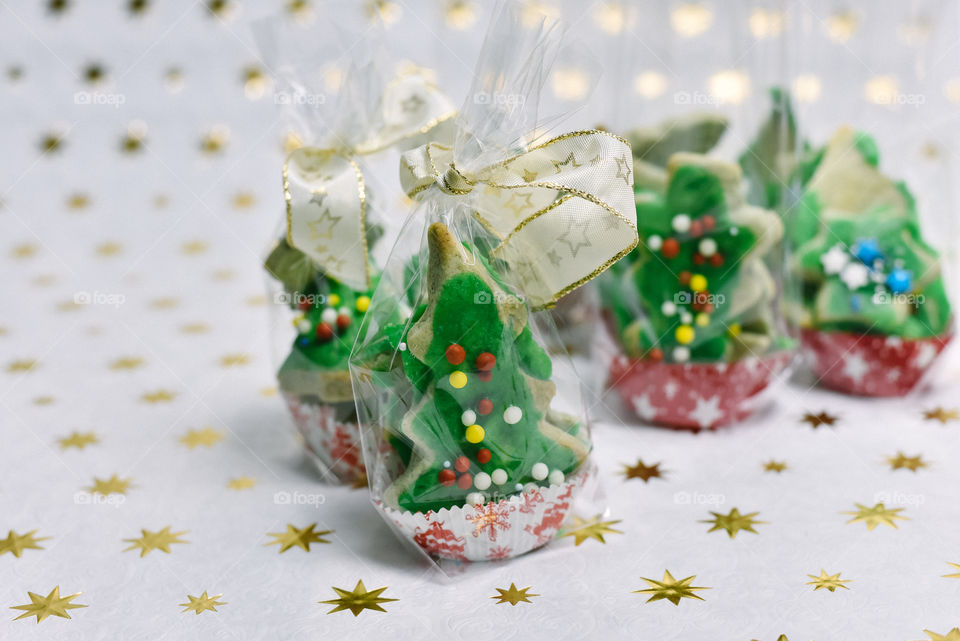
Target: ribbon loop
x=563, y=211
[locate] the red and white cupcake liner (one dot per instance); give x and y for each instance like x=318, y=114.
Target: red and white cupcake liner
x=695, y=395
x=868, y=364
x=497, y=530
x=332, y=444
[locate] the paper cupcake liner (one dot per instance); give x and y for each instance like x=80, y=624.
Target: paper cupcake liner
x=332, y=444
x=498, y=530
x=695, y=395
x=870, y=365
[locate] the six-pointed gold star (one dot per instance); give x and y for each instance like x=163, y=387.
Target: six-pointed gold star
x=358, y=599
x=774, y=466
x=952, y=635
x=126, y=362
x=299, y=537
x=733, y=522
x=593, y=528
x=903, y=462
x=15, y=543
x=242, y=483
x=513, y=595
x=818, y=419
x=827, y=581
x=876, y=515
x=955, y=575
x=234, y=360
x=157, y=396
x=671, y=589
x=51, y=605
x=207, y=437
x=113, y=485
x=198, y=604
x=641, y=471
x=941, y=414
x=78, y=440
x=159, y=540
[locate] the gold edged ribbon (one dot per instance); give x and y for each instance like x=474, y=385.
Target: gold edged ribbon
x=563, y=210
x=324, y=188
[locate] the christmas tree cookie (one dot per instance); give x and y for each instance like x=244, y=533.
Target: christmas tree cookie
x=869, y=277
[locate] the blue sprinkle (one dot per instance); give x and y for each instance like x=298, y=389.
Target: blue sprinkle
x=900, y=281
x=867, y=250
x=304, y=341
x=855, y=303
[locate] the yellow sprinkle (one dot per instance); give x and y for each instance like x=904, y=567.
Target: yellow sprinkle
x=474, y=434
x=703, y=320
x=734, y=329
x=333, y=299
x=684, y=334
x=458, y=379
x=698, y=282
x=297, y=319
x=363, y=304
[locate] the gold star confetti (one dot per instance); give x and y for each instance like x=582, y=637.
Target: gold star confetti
x=956, y=575
x=25, y=250
x=583, y=529
x=43, y=400
x=242, y=483
x=243, y=200
x=134, y=140
x=224, y=274
x=22, y=365
x=220, y=8
x=298, y=537
x=876, y=515
x=255, y=83
x=194, y=328
x=51, y=605
x=291, y=142
x=671, y=589
x=193, y=247
x=904, y=462
x=816, y=420
x=94, y=73
x=15, y=543
x=157, y=396
x=513, y=595
x=69, y=306
x=268, y=392
x=213, y=141
x=774, y=466
x=234, y=360
x=827, y=581
x=258, y=300
x=109, y=248
x=44, y=280
x=78, y=440
x=952, y=635
x=198, y=604
x=126, y=362
x=360, y=481
x=113, y=485
x=78, y=201
x=164, y=302
x=51, y=142
x=207, y=437
x=941, y=414
x=641, y=471
x=150, y=541
x=138, y=7
x=733, y=522
x=57, y=6
x=358, y=599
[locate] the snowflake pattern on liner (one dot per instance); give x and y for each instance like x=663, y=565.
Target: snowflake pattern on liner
x=334, y=446
x=492, y=518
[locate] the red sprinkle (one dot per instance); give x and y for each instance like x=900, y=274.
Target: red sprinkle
x=485, y=376
x=486, y=361
x=455, y=354
x=462, y=464
x=447, y=477
x=484, y=456
x=343, y=321
x=485, y=406
x=670, y=248
x=684, y=277
x=465, y=481
x=708, y=221
x=655, y=354
x=324, y=332
x=699, y=259
x=696, y=228
x=716, y=260
x=304, y=304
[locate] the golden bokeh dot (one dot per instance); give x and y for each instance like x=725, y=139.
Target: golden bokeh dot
x=243, y=200
x=459, y=14
x=109, y=248
x=691, y=20
x=257, y=300
x=255, y=82
x=194, y=247
x=881, y=90
x=534, y=11
x=841, y=26
x=194, y=328
x=291, y=141
x=222, y=9
x=611, y=17
x=388, y=12
x=766, y=23
x=44, y=280
x=570, y=83
x=730, y=86
x=215, y=139
x=52, y=142
x=134, y=140
x=650, y=84
x=164, y=302
x=301, y=11
x=915, y=32
x=78, y=200
x=43, y=401
x=807, y=87
x=173, y=80
x=951, y=89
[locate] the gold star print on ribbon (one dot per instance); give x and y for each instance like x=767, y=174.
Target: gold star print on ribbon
x=358, y=599
x=298, y=537
x=671, y=589
x=903, y=462
x=827, y=581
x=574, y=208
x=955, y=575
x=15, y=543
x=876, y=515
x=774, y=466
x=45, y=606
x=733, y=522
x=593, y=528
x=952, y=635
x=202, y=603
x=242, y=483
x=818, y=419
x=641, y=471
x=206, y=437
x=78, y=440
x=113, y=485
x=150, y=541
x=513, y=595
x=941, y=414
